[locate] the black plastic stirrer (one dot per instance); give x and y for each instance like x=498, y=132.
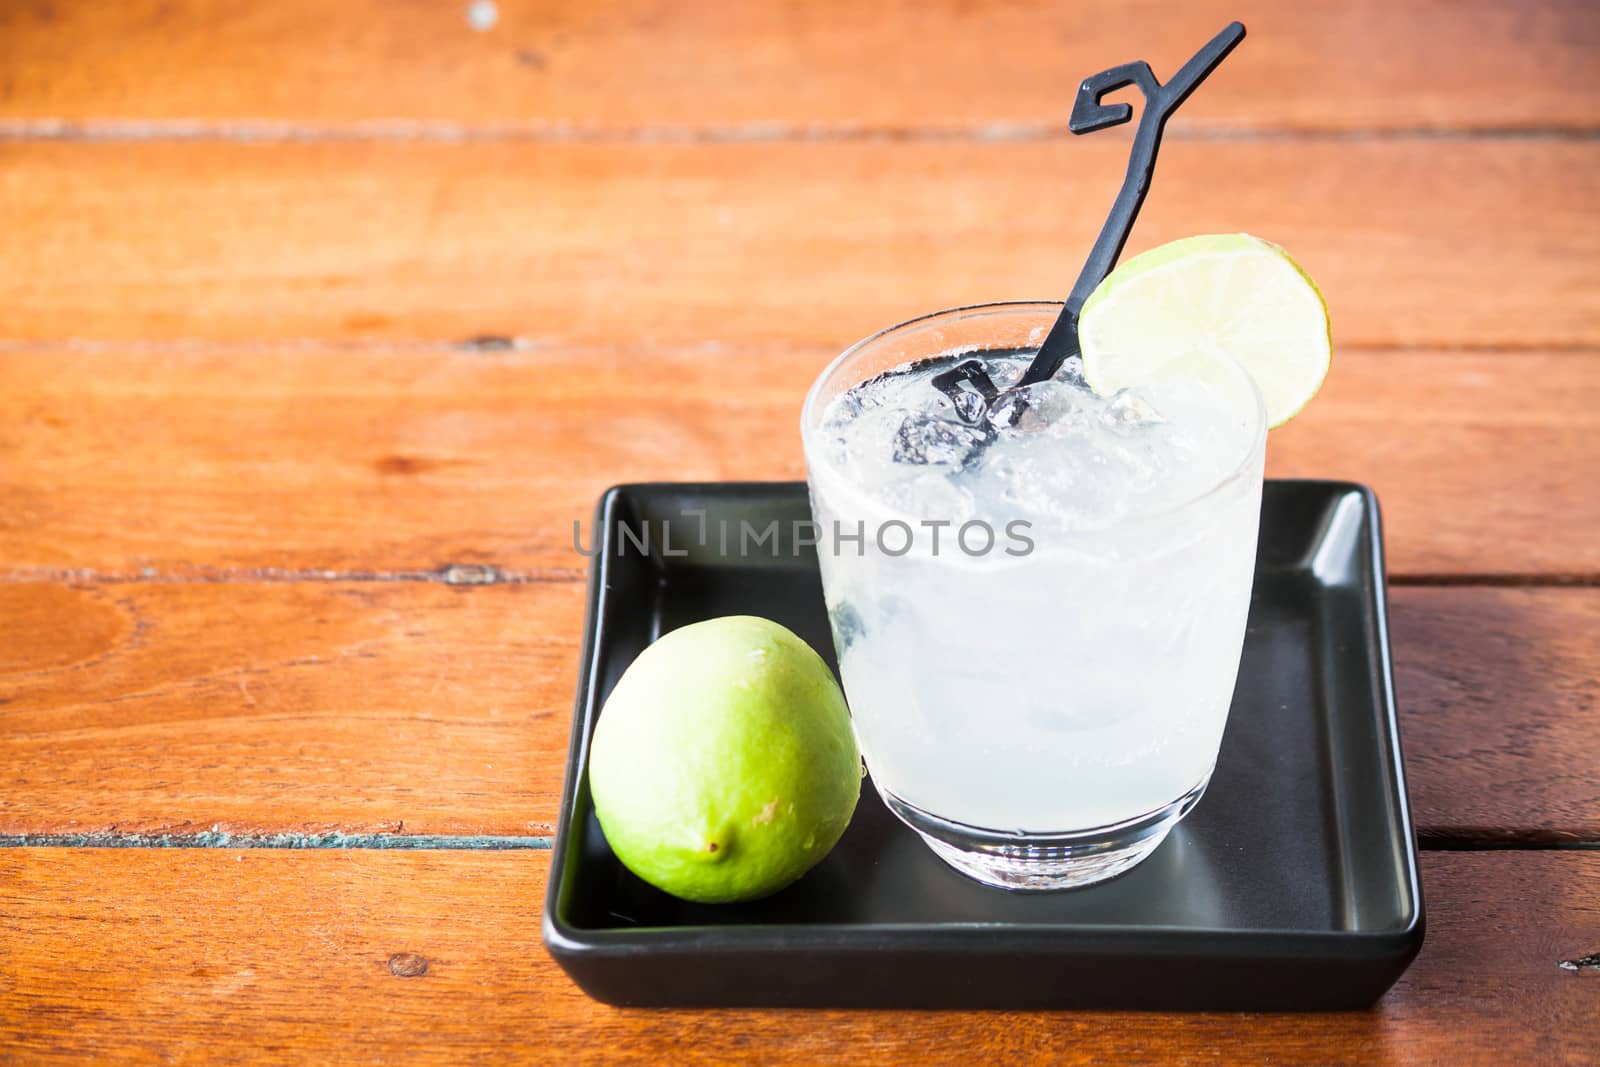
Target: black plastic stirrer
x=1088, y=115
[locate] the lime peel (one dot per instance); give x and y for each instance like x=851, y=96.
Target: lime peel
x=724, y=765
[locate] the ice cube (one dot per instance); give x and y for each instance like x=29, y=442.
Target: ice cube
x=858, y=446
x=1035, y=407
x=1007, y=410
x=928, y=440
x=1127, y=408
x=1071, y=371
x=931, y=495
x=1005, y=372
x=969, y=405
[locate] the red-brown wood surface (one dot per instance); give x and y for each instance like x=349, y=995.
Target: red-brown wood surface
x=774, y=68
x=195, y=463
x=1414, y=241
x=321, y=323
x=413, y=707
x=288, y=707
x=262, y=956
x=1499, y=696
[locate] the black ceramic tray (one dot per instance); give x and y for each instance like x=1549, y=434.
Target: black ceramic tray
x=1292, y=886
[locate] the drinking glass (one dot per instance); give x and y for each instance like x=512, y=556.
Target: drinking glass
x=1041, y=705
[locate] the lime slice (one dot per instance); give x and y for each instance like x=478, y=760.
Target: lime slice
x=1229, y=293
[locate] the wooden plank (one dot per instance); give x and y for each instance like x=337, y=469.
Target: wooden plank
x=261, y=956
x=415, y=708
x=193, y=461
x=1477, y=467
x=824, y=243
x=1366, y=64
x=1498, y=695
x=285, y=708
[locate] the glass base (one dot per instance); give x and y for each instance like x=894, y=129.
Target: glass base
x=1045, y=861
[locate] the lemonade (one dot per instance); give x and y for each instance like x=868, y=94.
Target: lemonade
x=1038, y=604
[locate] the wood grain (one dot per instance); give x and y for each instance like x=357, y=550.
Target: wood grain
x=413, y=708
x=1412, y=241
x=191, y=462
x=285, y=708
x=163, y=956
x=315, y=315
x=636, y=64
x=1499, y=691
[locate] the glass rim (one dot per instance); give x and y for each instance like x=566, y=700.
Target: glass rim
x=810, y=418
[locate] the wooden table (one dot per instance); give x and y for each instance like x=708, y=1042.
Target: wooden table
x=320, y=323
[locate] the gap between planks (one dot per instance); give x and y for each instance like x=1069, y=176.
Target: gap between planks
x=493, y=343
x=455, y=574
x=474, y=574
x=219, y=838
x=1450, y=839
x=1434, y=841
x=269, y=131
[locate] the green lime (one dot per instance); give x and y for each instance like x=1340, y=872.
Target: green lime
x=1229, y=293
x=724, y=766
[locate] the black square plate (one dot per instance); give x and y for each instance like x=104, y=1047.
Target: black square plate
x=1292, y=886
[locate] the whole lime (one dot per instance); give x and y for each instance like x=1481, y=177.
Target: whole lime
x=723, y=766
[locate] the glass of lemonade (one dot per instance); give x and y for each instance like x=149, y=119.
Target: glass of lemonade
x=1038, y=608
